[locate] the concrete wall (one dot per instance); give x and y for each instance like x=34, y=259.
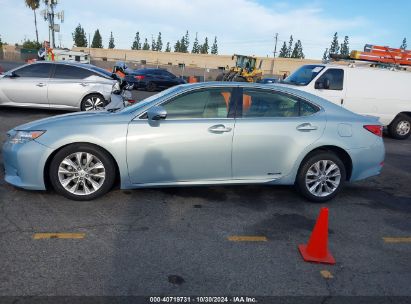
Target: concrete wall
x=279, y=66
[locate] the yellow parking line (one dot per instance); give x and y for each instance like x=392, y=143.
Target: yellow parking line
x=39, y=236
x=245, y=238
x=326, y=274
x=397, y=239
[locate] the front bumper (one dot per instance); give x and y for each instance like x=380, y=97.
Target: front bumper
x=24, y=164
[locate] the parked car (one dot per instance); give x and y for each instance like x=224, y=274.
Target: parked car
x=381, y=92
x=199, y=134
x=57, y=85
x=153, y=79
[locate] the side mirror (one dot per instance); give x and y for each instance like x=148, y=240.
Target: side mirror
x=322, y=84
x=11, y=74
x=156, y=113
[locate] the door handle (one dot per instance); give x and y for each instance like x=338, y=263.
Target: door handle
x=306, y=127
x=83, y=84
x=41, y=84
x=219, y=129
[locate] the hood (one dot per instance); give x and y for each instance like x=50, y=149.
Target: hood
x=67, y=119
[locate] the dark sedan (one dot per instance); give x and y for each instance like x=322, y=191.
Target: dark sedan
x=153, y=79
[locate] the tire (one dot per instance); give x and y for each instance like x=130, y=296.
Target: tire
x=400, y=127
x=93, y=102
x=151, y=87
x=314, y=163
x=220, y=77
x=98, y=181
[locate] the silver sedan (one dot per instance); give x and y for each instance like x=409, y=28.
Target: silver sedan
x=199, y=134
x=56, y=85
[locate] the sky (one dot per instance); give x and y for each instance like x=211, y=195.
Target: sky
x=241, y=26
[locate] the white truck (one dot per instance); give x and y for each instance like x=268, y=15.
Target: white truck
x=381, y=92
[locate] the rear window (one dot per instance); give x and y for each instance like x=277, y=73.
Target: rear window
x=71, y=72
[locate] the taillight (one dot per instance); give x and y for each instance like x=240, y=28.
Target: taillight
x=131, y=101
x=375, y=129
x=139, y=77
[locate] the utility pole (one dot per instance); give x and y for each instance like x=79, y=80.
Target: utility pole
x=275, y=50
x=49, y=16
x=275, y=47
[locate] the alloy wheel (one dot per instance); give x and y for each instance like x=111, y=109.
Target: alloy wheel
x=93, y=103
x=323, y=178
x=81, y=173
x=403, y=128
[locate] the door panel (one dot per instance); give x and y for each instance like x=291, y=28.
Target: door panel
x=192, y=144
x=68, y=85
x=275, y=128
x=178, y=150
x=29, y=86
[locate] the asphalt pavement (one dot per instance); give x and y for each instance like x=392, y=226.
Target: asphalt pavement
x=181, y=241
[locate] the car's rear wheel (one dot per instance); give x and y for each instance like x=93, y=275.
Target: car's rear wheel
x=151, y=86
x=82, y=172
x=321, y=176
x=400, y=128
x=93, y=102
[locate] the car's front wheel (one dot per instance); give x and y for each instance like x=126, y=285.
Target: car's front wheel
x=82, y=172
x=321, y=177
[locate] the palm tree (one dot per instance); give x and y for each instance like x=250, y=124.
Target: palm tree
x=34, y=4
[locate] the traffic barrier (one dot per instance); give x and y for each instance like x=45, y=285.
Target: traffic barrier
x=317, y=248
x=192, y=79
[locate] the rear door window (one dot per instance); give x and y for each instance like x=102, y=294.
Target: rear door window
x=71, y=72
x=261, y=103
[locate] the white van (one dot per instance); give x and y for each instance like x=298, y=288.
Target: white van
x=366, y=90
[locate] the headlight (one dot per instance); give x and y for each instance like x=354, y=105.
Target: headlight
x=21, y=137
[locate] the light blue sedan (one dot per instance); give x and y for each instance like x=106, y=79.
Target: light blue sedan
x=199, y=134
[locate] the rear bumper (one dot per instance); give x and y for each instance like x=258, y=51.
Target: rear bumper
x=367, y=162
x=24, y=164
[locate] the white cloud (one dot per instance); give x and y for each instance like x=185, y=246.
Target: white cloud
x=242, y=26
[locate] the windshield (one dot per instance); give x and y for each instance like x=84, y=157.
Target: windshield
x=148, y=100
x=304, y=75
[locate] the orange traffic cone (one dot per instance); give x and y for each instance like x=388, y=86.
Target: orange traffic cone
x=317, y=248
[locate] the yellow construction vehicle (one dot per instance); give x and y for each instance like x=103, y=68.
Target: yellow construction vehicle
x=245, y=70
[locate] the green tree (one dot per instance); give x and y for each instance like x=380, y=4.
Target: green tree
x=168, y=49
x=214, y=48
x=186, y=42
x=97, y=40
x=79, y=37
x=345, y=49
x=146, y=46
x=159, y=43
x=294, y=53
x=153, y=44
x=34, y=4
x=136, y=43
x=326, y=55
x=204, y=48
x=335, y=47
x=290, y=47
x=283, y=51
x=177, y=47
x=111, y=44
x=404, y=44
x=1, y=43
x=300, y=53
x=196, y=46
x=31, y=44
